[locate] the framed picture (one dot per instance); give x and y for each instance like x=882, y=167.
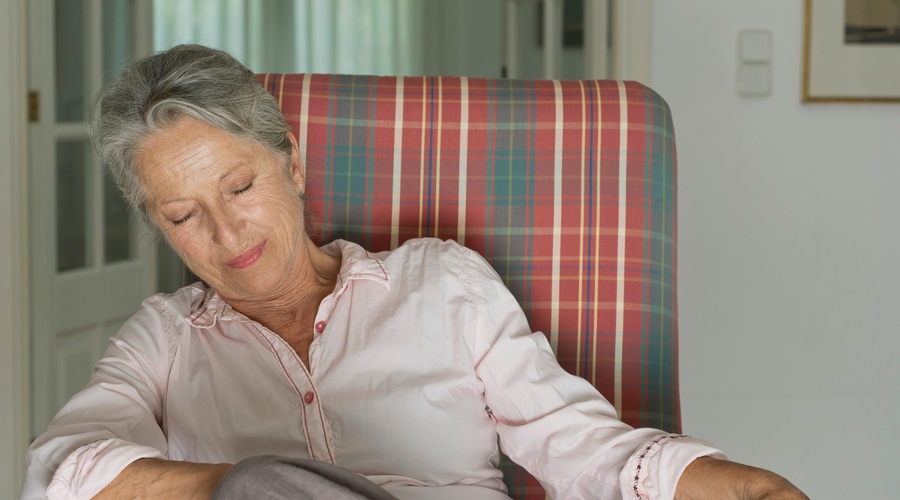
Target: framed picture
x=851, y=51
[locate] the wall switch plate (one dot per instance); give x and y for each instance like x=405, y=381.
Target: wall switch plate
x=754, y=63
x=754, y=80
x=755, y=46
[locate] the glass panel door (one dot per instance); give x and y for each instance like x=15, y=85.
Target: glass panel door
x=73, y=163
x=88, y=273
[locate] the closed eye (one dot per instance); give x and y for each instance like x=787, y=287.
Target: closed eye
x=184, y=219
x=244, y=189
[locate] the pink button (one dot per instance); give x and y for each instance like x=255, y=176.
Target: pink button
x=320, y=326
x=309, y=397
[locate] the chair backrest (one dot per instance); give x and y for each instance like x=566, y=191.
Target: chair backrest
x=566, y=187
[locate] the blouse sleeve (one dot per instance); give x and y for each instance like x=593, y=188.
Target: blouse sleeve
x=115, y=420
x=558, y=426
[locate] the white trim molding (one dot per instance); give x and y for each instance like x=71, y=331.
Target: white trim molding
x=631, y=31
x=14, y=329
x=596, y=39
x=14, y=334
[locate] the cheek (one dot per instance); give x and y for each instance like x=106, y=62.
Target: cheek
x=291, y=219
x=281, y=211
x=187, y=247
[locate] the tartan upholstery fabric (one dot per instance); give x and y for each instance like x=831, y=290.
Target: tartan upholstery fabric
x=566, y=187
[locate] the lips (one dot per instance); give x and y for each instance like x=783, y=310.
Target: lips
x=247, y=258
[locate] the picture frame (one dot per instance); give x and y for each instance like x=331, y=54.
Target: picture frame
x=851, y=51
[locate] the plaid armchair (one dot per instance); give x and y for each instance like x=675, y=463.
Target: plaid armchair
x=566, y=187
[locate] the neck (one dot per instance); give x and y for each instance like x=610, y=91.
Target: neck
x=292, y=311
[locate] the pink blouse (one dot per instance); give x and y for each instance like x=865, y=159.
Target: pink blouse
x=421, y=360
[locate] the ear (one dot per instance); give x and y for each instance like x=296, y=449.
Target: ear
x=298, y=170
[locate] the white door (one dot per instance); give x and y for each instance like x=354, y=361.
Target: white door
x=89, y=270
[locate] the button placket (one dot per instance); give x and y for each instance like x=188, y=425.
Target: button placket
x=326, y=307
x=315, y=428
x=318, y=429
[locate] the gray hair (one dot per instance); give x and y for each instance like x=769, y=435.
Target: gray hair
x=185, y=81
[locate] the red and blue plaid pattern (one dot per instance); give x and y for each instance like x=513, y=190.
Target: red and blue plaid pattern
x=566, y=187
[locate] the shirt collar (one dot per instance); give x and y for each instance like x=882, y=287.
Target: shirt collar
x=205, y=313
x=356, y=264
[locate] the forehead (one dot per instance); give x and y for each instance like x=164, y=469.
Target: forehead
x=190, y=150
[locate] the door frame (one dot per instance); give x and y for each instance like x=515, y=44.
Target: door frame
x=15, y=352
x=631, y=42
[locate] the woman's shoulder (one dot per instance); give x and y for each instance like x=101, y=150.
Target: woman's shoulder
x=182, y=302
x=160, y=314
x=428, y=251
x=411, y=251
x=432, y=246
x=424, y=257
x=449, y=256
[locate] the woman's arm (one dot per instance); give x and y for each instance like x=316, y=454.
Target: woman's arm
x=708, y=477
x=113, y=421
x=555, y=424
x=539, y=409
x=156, y=478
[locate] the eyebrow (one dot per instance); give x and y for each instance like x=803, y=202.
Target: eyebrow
x=231, y=167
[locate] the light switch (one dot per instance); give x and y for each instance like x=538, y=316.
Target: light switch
x=754, y=68
x=754, y=80
x=755, y=46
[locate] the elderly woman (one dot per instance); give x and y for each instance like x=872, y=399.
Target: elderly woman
x=409, y=369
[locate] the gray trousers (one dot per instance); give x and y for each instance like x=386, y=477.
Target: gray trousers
x=281, y=478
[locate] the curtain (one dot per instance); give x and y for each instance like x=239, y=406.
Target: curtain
x=379, y=37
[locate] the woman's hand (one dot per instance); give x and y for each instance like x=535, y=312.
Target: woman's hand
x=155, y=478
x=710, y=478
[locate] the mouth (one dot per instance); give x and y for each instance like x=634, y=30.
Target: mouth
x=247, y=258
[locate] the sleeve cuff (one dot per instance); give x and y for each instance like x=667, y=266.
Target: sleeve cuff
x=91, y=467
x=654, y=469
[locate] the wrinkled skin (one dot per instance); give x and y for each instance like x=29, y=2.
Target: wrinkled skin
x=231, y=210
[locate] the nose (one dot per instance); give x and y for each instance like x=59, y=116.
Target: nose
x=226, y=228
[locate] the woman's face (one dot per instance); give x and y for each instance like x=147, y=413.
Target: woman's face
x=227, y=206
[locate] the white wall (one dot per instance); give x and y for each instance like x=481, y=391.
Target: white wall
x=788, y=235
